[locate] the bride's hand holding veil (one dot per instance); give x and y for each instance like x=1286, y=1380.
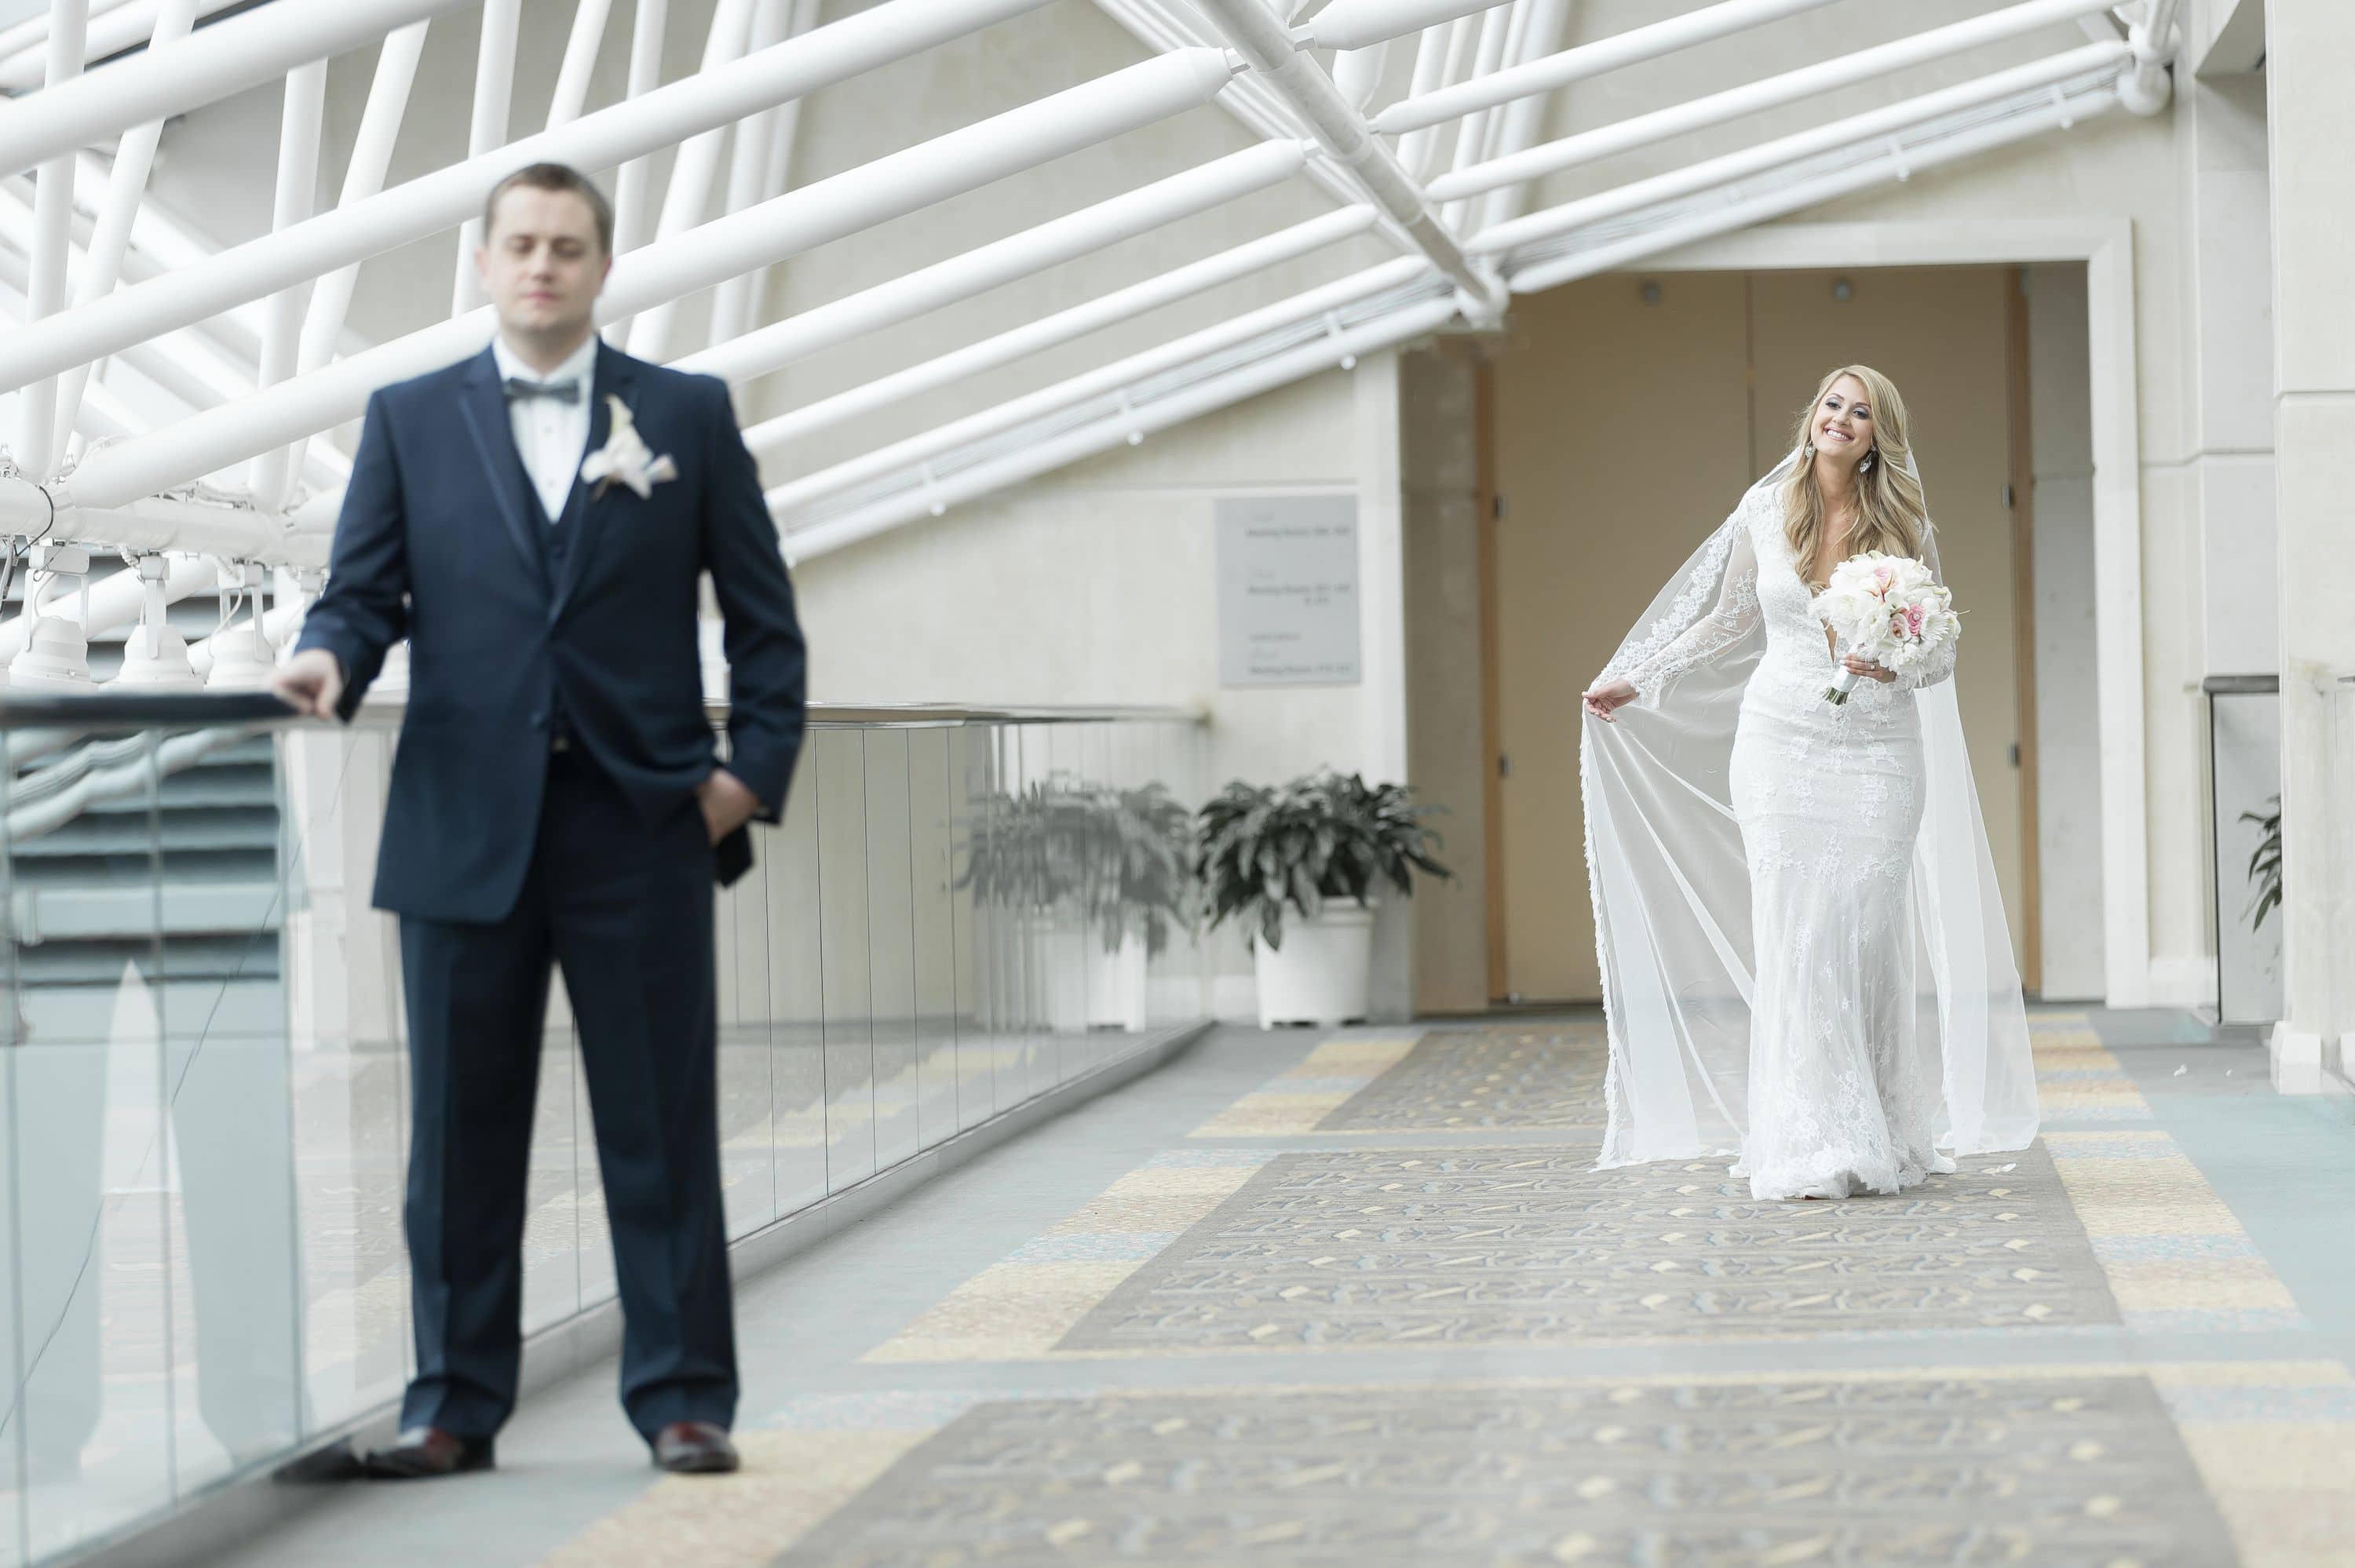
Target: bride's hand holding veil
x=1605, y=695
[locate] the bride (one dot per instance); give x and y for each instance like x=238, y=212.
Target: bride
x=1802, y=950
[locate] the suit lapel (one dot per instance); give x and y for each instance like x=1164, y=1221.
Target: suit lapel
x=616, y=376
x=484, y=405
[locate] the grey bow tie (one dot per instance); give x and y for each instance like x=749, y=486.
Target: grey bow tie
x=562, y=391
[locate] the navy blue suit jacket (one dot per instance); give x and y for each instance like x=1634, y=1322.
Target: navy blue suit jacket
x=437, y=542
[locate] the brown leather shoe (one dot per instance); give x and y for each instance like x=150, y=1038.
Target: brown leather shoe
x=694, y=1448
x=421, y=1453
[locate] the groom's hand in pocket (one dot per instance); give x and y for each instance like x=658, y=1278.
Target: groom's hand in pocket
x=727, y=801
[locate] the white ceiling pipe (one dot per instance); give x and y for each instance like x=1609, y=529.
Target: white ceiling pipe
x=749, y=150
x=296, y=199
x=1359, y=74
x=580, y=47
x=115, y=599
x=160, y=243
x=648, y=27
x=199, y=289
x=1587, y=60
x=157, y=523
x=987, y=267
x=1792, y=87
x=757, y=168
x=1430, y=68
x=487, y=131
x=101, y=269
x=1341, y=130
x=1887, y=169
x=1102, y=435
x=1250, y=102
x=1472, y=136
x=1522, y=121
x=1063, y=326
x=28, y=36
x=1361, y=24
x=182, y=363
x=1238, y=173
x=331, y=297
x=1875, y=123
x=857, y=198
x=1455, y=68
x=1515, y=38
x=52, y=234
x=1096, y=383
x=207, y=66
x=113, y=28
x=686, y=196
x=2155, y=41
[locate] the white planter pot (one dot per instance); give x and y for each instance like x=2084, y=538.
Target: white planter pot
x=1324, y=972
x=1116, y=984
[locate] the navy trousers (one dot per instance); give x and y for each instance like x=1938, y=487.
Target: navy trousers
x=626, y=913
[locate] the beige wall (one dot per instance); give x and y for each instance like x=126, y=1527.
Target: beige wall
x=1626, y=431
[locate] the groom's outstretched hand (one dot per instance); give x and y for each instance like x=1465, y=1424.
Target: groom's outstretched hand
x=311, y=683
x=727, y=803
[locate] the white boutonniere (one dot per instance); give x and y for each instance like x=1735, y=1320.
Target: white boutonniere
x=624, y=457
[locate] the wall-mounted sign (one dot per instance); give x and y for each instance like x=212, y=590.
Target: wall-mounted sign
x=1288, y=590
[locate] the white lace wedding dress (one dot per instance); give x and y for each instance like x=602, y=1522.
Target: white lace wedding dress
x=1854, y=1071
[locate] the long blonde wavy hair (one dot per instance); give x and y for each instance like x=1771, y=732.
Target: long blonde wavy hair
x=1891, y=515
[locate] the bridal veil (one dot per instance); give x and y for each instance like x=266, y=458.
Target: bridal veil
x=1671, y=895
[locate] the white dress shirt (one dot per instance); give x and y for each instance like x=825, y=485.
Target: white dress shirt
x=551, y=436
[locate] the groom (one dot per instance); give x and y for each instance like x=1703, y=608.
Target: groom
x=555, y=799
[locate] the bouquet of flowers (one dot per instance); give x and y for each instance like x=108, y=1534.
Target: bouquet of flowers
x=1887, y=608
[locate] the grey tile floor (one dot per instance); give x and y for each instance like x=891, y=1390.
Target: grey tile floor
x=2281, y=1170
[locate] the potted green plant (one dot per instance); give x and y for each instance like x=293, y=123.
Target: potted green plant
x=2266, y=864
x=1297, y=866
x=1135, y=887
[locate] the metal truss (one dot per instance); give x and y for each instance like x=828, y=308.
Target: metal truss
x=172, y=392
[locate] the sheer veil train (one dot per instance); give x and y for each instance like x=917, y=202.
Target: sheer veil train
x=1672, y=907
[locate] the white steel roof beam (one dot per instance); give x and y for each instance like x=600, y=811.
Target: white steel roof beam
x=1264, y=41
x=1753, y=162
x=771, y=348
x=1542, y=75
x=207, y=66
x=101, y=269
x=857, y=198
x=1102, y=435
x=1792, y=87
x=1063, y=326
x=1899, y=164
x=1391, y=274
x=432, y=203
x=1360, y=23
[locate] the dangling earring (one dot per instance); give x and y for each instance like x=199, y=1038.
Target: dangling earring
x=1866, y=466
x=1809, y=450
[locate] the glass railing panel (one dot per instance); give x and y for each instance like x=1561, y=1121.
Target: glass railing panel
x=747, y=1156
x=973, y=921
x=787, y=858
x=91, y=1168
x=890, y=946
x=837, y=758
x=205, y=1098
x=349, y=1076
x=932, y=873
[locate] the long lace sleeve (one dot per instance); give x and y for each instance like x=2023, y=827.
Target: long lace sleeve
x=1734, y=618
x=1940, y=665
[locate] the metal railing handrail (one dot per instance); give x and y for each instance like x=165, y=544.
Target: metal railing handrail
x=109, y=710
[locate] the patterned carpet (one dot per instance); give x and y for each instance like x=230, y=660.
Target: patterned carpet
x=1379, y=1309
